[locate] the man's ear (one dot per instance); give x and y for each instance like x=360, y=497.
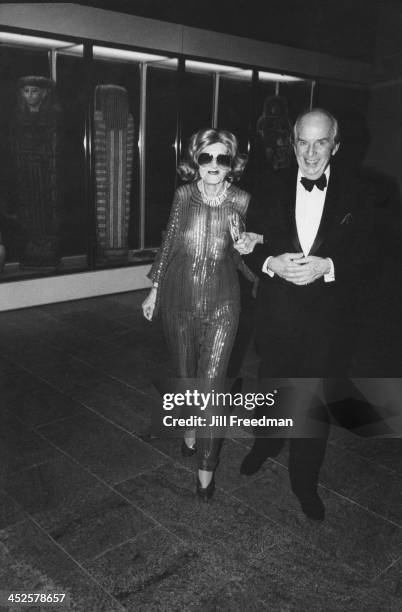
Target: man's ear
x=335, y=149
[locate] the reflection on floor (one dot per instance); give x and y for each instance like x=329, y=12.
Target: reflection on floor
x=90, y=509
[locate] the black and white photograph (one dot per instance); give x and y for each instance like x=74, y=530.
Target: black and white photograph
x=201, y=306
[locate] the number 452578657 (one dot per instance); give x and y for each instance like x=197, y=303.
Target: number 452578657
x=22, y=598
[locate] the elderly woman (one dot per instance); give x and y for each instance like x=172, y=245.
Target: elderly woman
x=194, y=276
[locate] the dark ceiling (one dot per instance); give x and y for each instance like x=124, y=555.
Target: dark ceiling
x=345, y=28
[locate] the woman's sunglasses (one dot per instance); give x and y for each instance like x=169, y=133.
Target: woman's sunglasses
x=224, y=161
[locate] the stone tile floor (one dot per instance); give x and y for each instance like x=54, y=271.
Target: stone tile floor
x=90, y=508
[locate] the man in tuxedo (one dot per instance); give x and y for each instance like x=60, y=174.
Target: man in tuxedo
x=305, y=242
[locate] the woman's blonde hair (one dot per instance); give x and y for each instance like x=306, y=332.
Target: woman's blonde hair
x=188, y=167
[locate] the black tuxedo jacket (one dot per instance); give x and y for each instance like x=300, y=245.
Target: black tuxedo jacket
x=283, y=309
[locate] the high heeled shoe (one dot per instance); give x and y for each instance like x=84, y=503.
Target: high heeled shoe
x=205, y=493
x=187, y=451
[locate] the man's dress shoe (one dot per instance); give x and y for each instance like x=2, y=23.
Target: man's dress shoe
x=251, y=464
x=312, y=506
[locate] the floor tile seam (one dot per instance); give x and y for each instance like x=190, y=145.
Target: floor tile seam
x=87, y=309
x=40, y=377
x=176, y=462
x=78, y=360
x=235, y=440
x=82, y=361
x=95, y=411
x=107, y=341
x=386, y=569
x=75, y=562
x=54, y=421
x=70, y=396
x=301, y=540
x=31, y=427
x=364, y=577
x=109, y=486
x=288, y=532
x=338, y=561
x=99, y=370
x=240, y=487
x=129, y=328
x=14, y=364
x=169, y=458
x=137, y=437
x=260, y=476
x=222, y=491
x=155, y=469
x=157, y=523
x=91, y=337
x=356, y=503
x=53, y=386
x=90, y=560
x=18, y=508
x=113, y=378
x=367, y=488
x=36, y=429
x=230, y=580
x=47, y=344
x=131, y=386
x=144, y=360
x=32, y=466
x=192, y=470
x=15, y=523
x=124, y=383
x=360, y=456
x=79, y=328
x=368, y=459
x=143, y=472
x=112, y=488
x=79, y=416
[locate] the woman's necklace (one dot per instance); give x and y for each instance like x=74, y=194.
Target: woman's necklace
x=214, y=200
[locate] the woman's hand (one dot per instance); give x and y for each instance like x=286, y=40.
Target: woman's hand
x=148, y=305
x=247, y=242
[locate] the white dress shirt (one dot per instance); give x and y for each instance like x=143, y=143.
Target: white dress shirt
x=309, y=209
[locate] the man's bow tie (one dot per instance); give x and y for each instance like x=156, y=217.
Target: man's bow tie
x=308, y=184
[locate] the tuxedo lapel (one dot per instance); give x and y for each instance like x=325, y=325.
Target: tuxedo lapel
x=290, y=207
x=329, y=212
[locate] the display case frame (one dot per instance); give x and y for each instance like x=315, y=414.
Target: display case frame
x=144, y=253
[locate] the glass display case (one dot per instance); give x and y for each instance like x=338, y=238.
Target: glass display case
x=279, y=98
x=197, y=104
x=235, y=105
x=160, y=149
x=90, y=139
x=42, y=192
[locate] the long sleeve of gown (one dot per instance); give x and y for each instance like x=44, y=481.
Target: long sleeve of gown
x=167, y=247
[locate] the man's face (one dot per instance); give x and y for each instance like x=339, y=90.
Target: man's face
x=314, y=145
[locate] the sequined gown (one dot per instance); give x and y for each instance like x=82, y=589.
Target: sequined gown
x=198, y=291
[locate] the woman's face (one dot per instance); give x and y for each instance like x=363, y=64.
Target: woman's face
x=214, y=170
